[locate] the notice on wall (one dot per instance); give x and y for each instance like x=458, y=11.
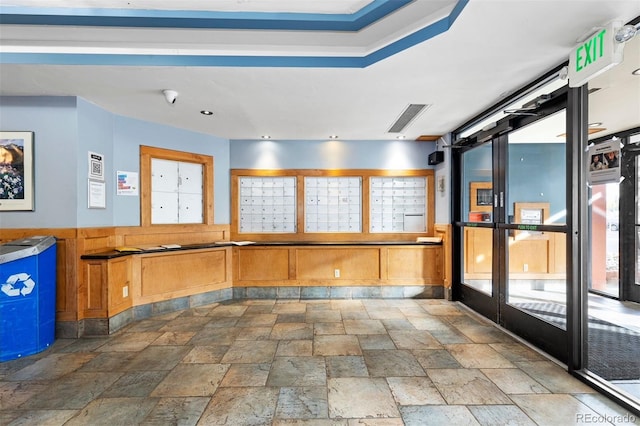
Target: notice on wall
x=604, y=163
x=96, y=166
x=127, y=183
x=97, y=197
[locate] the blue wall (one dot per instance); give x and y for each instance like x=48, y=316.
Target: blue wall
x=54, y=123
x=331, y=154
x=95, y=134
x=536, y=174
x=129, y=134
x=65, y=130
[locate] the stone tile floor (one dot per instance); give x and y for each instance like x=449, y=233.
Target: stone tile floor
x=289, y=362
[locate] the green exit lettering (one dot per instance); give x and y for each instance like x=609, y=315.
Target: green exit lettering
x=590, y=51
x=528, y=227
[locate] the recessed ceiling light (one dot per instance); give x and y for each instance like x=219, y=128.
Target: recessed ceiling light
x=595, y=124
x=206, y=112
x=265, y=137
x=636, y=72
x=333, y=136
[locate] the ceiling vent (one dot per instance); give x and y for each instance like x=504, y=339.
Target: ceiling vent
x=406, y=117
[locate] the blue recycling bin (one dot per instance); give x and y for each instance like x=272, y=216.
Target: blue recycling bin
x=27, y=296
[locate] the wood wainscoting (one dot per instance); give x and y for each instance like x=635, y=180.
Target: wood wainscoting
x=338, y=265
x=89, y=289
x=67, y=266
x=101, y=288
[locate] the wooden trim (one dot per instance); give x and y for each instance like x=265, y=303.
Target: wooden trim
x=473, y=197
x=7, y=235
x=147, y=153
x=300, y=235
x=544, y=208
x=428, y=138
x=444, y=231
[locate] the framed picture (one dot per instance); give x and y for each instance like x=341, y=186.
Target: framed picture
x=16, y=171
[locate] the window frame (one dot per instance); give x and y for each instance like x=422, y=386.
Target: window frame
x=147, y=153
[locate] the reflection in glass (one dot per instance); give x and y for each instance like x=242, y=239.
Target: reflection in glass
x=537, y=171
x=477, y=202
x=536, y=275
x=605, y=235
x=478, y=257
x=637, y=255
x=477, y=206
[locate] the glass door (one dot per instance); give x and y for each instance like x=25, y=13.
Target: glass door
x=634, y=292
x=613, y=326
x=630, y=232
x=533, y=235
x=511, y=223
x=476, y=227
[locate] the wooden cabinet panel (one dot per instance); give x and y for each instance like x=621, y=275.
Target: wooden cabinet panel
x=168, y=273
x=93, y=294
x=354, y=263
x=478, y=245
x=263, y=264
x=415, y=263
x=529, y=256
x=119, y=271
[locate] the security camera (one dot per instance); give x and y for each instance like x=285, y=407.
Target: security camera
x=170, y=96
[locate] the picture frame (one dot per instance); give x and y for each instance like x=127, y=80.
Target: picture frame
x=531, y=214
x=16, y=171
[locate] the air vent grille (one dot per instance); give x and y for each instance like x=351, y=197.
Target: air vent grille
x=406, y=117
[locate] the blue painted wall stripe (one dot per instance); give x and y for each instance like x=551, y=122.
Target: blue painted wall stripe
x=137, y=18
x=406, y=42
x=182, y=60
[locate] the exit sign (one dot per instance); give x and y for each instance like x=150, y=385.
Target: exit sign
x=595, y=55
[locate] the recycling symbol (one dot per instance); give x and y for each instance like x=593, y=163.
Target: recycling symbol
x=18, y=284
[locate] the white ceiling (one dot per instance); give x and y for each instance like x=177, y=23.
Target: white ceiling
x=300, y=84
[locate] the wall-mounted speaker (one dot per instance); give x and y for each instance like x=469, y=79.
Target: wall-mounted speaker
x=436, y=157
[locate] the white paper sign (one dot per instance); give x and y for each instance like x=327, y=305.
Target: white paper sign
x=97, y=194
x=604, y=163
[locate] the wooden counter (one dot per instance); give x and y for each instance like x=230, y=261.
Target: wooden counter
x=120, y=287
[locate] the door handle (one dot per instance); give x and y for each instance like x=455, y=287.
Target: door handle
x=501, y=199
